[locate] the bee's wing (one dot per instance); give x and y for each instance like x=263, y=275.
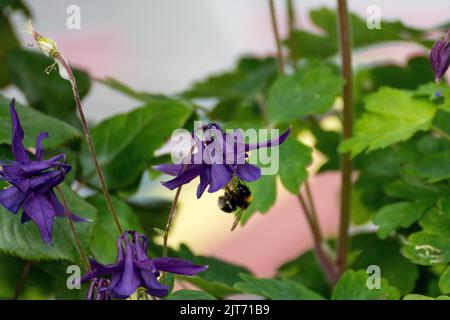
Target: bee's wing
x=237, y=220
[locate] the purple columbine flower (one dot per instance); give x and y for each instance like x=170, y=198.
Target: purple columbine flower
x=133, y=268
x=228, y=158
x=32, y=181
x=440, y=57
x=99, y=289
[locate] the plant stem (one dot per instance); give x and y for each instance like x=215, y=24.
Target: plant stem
x=325, y=261
x=174, y=206
x=22, y=277
x=346, y=164
x=170, y=220
x=291, y=24
x=440, y=132
x=89, y=141
x=280, y=59
x=73, y=230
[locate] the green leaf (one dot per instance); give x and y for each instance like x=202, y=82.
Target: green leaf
x=275, y=289
x=24, y=240
x=33, y=123
x=436, y=222
x=295, y=157
x=434, y=167
x=391, y=116
x=444, y=281
x=125, y=143
x=422, y=297
x=9, y=41
x=399, y=215
x=426, y=249
x=322, y=46
x=249, y=79
x=359, y=212
x=220, y=277
x=126, y=90
x=103, y=243
x=311, y=90
x=37, y=284
x=190, y=295
x=394, y=267
x=264, y=193
x=353, y=286
x=306, y=271
x=48, y=93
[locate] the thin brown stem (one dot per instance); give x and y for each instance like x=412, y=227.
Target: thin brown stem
x=73, y=230
x=170, y=220
x=22, y=277
x=291, y=25
x=440, y=132
x=346, y=164
x=323, y=258
x=276, y=34
x=58, y=57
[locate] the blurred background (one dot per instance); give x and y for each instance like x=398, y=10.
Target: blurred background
x=162, y=46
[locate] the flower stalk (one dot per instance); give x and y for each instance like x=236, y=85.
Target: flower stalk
x=22, y=277
x=276, y=34
x=309, y=210
x=48, y=46
x=73, y=230
x=346, y=164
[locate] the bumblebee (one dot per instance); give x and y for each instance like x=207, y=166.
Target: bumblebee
x=237, y=196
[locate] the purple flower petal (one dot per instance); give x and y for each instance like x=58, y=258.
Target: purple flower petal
x=42, y=213
x=205, y=178
x=18, y=150
x=220, y=176
x=59, y=208
x=171, y=169
x=39, y=149
x=152, y=285
x=187, y=176
x=126, y=282
x=440, y=57
x=268, y=144
x=12, y=198
x=178, y=266
x=248, y=172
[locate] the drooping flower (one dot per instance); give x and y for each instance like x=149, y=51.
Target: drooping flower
x=32, y=181
x=99, y=289
x=440, y=57
x=227, y=158
x=133, y=269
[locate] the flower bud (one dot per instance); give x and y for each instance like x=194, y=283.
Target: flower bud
x=440, y=57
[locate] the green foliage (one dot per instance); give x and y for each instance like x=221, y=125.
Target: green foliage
x=126, y=143
x=276, y=289
x=394, y=267
x=399, y=215
x=392, y=116
x=295, y=157
x=353, y=286
x=24, y=240
x=45, y=92
x=35, y=122
x=190, y=295
x=305, y=270
x=310, y=90
x=311, y=45
x=103, y=242
x=220, y=277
